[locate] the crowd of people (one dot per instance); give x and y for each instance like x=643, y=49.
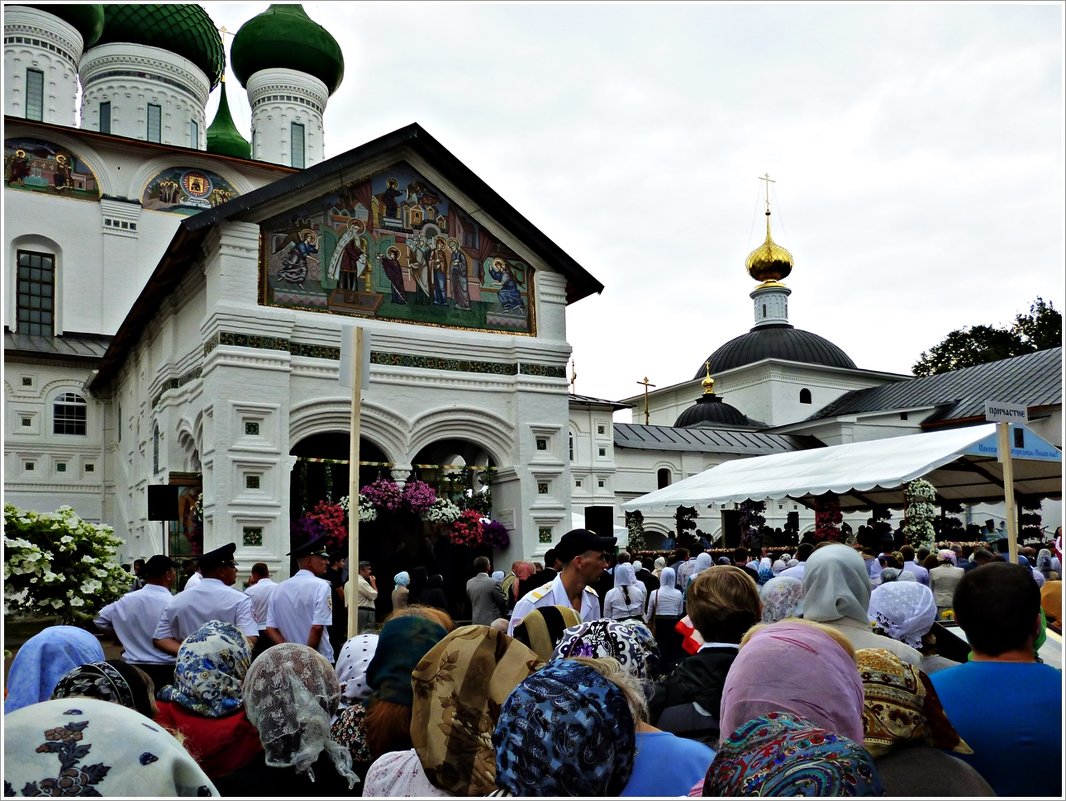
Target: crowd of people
x=833, y=671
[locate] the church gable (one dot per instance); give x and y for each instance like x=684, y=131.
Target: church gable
x=395, y=247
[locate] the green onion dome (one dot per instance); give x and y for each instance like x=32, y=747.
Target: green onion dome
x=184, y=30
x=223, y=137
x=86, y=18
x=284, y=37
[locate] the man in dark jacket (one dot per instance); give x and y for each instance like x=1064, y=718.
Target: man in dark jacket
x=723, y=602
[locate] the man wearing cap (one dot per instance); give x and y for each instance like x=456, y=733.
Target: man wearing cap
x=132, y=619
x=582, y=555
x=300, y=609
x=212, y=599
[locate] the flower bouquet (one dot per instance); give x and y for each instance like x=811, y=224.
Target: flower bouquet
x=419, y=496
x=442, y=511
x=468, y=529
x=383, y=494
x=494, y=534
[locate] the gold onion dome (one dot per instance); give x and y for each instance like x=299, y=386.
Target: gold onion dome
x=769, y=261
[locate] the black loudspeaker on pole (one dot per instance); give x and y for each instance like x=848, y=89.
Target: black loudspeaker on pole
x=600, y=519
x=163, y=502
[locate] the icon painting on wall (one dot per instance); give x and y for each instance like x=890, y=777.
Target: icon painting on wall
x=186, y=191
x=40, y=166
x=395, y=248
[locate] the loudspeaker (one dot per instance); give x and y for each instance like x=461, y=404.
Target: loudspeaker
x=793, y=523
x=600, y=519
x=162, y=501
x=731, y=528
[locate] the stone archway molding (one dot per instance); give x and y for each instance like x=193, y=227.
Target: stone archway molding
x=487, y=430
x=384, y=428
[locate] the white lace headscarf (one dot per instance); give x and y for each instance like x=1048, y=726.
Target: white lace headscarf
x=291, y=694
x=904, y=610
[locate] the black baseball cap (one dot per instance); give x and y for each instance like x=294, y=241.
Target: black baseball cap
x=577, y=541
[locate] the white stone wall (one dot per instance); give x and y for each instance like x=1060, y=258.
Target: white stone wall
x=131, y=77
x=48, y=44
x=278, y=98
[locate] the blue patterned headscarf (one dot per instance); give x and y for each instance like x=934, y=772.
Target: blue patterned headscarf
x=628, y=641
x=210, y=670
x=44, y=659
x=780, y=754
x=565, y=731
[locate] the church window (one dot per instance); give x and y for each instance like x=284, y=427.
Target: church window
x=105, y=117
x=1019, y=438
x=601, y=429
x=36, y=292
x=664, y=478
x=69, y=414
x=27, y=422
x=579, y=483
x=542, y=488
x=805, y=395
x=90, y=467
x=601, y=483
x=542, y=444
x=156, y=437
x=603, y=451
x=903, y=415
x=296, y=155
x=764, y=311
x=194, y=134
x=155, y=123
x=61, y=467
x=34, y=95
x=571, y=447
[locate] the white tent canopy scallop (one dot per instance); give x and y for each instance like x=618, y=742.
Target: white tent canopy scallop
x=961, y=463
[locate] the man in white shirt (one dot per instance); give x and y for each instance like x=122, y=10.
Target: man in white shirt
x=260, y=588
x=300, y=609
x=582, y=554
x=133, y=617
x=212, y=599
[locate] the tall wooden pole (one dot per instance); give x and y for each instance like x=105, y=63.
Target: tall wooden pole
x=353, y=481
x=1002, y=429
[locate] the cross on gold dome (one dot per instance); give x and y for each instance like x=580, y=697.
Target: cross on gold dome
x=707, y=382
x=645, y=383
x=768, y=181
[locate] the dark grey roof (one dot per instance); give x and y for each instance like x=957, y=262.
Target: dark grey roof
x=187, y=243
x=67, y=348
x=703, y=440
x=711, y=410
x=776, y=342
x=588, y=400
x=1034, y=379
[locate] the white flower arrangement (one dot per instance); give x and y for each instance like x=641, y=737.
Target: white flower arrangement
x=442, y=511
x=75, y=574
x=917, y=525
x=367, y=511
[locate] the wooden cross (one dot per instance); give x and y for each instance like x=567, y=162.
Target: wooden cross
x=769, y=181
x=646, y=384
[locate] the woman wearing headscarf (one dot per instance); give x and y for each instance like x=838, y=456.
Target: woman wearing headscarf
x=93, y=747
x=906, y=611
x=836, y=592
x=566, y=730
x=944, y=578
x=292, y=693
x=115, y=681
x=1038, y=577
x=779, y=566
x=782, y=754
x=459, y=687
x=908, y=733
x=626, y=653
x=657, y=567
x=664, y=609
x=701, y=562
x=625, y=601
x=205, y=702
x=781, y=596
x=765, y=570
x=1044, y=563
x=401, y=591
x=43, y=660
x=352, y=664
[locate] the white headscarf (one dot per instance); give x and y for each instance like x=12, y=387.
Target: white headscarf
x=352, y=663
x=625, y=575
x=836, y=585
x=781, y=597
x=119, y=752
x=291, y=694
x=904, y=610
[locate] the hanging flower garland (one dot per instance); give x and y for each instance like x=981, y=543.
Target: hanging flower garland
x=494, y=534
x=827, y=518
x=468, y=529
x=919, y=513
x=418, y=496
x=442, y=512
x=385, y=495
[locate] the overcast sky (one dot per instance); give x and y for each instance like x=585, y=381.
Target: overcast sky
x=917, y=151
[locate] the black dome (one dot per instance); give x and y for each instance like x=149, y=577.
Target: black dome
x=709, y=410
x=777, y=342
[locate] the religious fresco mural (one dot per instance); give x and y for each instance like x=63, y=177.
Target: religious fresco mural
x=186, y=191
x=39, y=166
x=395, y=248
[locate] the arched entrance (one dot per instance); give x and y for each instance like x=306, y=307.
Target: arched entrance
x=321, y=469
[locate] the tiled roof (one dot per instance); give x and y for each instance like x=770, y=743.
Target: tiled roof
x=703, y=440
x=1034, y=379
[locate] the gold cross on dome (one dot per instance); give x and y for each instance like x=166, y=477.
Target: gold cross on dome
x=768, y=181
x=645, y=383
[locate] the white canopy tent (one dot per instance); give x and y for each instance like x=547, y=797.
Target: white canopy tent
x=961, y=463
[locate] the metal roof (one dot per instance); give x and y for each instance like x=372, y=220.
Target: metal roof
x=588, y=400
x=776, y=342
x=703, y=440
x=1034, y=379
x=69, y=347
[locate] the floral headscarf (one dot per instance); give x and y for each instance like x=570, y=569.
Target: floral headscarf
x=794, y=667
x=904, y=610
x=85, y=746
x=210, y=670
x=947, y=555
x=352, y=663
x=565, y=731
x=460, y=686
x=901, y=706
x=114, y=681
x=628, y=641
x=291, y=694
x=780, y=754
x=44, y=659
x=1043, y=562
x=781, y=597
